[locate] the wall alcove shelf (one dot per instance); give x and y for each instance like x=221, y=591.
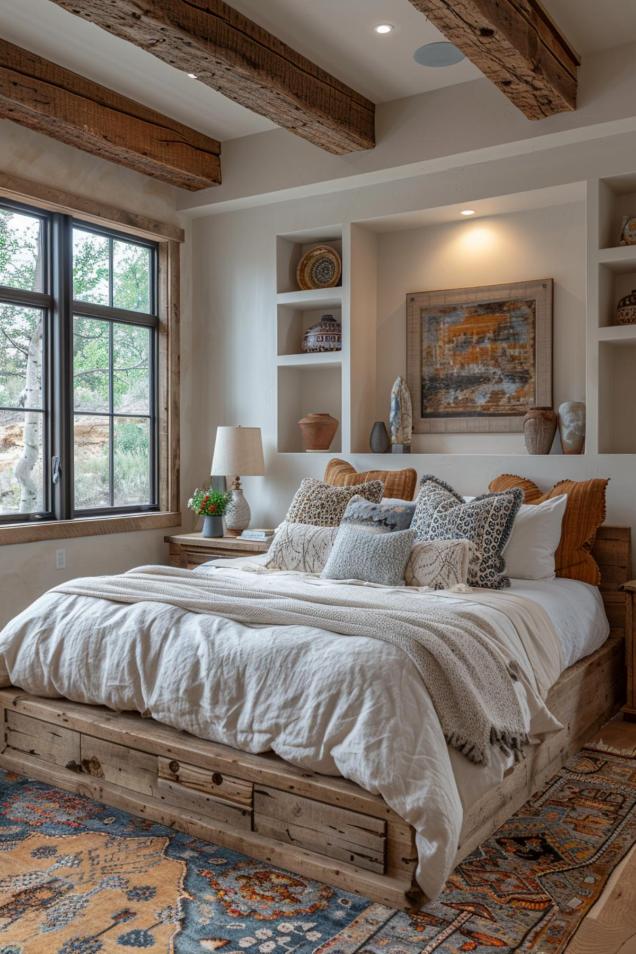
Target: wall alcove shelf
x=353, y=384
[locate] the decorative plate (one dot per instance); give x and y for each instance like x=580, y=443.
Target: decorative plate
x=320, y=267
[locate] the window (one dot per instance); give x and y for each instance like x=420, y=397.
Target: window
x=79, y=333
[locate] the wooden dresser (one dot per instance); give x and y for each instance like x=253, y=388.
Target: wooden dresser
x=188, y=550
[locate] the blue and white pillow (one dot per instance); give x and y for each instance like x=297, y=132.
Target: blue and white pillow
x=442, y=514
x=379, y=517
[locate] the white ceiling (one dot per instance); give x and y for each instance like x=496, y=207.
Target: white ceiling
x=336, y=34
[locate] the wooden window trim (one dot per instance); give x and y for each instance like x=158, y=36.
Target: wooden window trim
x=38, y=531
x=168, y=399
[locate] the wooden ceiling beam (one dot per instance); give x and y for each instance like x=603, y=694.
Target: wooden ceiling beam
x=52, y=100
x=516, y=45
x=247, y=64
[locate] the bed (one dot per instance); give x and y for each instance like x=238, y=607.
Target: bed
x=314, y=822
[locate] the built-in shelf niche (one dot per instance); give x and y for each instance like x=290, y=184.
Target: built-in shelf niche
x=617, y=199
x=304, y=389
x=617, y=395
x=291, y=248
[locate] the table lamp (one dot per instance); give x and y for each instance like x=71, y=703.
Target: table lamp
x=237, y=451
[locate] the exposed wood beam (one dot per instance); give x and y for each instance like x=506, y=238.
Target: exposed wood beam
x=244, y=62
x=516, y=45
x=68, y=107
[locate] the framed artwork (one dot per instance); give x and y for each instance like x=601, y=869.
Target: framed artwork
x=478, y=358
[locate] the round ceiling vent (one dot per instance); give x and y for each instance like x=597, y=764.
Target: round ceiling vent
x=438, y=55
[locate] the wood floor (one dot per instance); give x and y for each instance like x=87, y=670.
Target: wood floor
x=610, y=927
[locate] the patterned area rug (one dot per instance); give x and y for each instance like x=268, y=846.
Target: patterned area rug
x=77, y=877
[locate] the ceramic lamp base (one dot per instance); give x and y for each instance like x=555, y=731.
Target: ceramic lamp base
x=237, y=515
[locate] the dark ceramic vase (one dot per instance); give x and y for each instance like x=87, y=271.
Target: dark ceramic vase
x=212, y=526
x=379, y=438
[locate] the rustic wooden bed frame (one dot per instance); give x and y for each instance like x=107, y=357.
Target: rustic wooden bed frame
x=318, y=826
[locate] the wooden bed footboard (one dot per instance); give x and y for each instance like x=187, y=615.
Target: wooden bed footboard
x=318, y=826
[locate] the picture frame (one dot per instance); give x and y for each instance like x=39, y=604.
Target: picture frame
x=478, y=358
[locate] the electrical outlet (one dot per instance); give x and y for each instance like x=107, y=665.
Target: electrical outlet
x=60, y=559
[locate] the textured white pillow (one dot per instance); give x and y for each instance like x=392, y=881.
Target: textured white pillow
x=535, y=537
x=300, y=546
x=439, y=564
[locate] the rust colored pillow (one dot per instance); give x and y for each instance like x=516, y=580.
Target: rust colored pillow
x=397, y=483
x=584, y=514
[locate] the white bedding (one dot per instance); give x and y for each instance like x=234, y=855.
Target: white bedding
x=350, y=705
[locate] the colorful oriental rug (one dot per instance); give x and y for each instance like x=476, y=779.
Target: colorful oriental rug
x=77, y=877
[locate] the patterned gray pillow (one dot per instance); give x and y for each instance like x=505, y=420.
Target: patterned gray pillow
x=360, y=554
x=323, y=505
x=439, y=564
x=380, y=518
x=301, y=547
x=442, y=514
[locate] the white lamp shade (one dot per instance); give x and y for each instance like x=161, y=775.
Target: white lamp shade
x=238, y=450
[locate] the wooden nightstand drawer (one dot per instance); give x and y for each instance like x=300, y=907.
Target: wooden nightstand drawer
x=188, y=550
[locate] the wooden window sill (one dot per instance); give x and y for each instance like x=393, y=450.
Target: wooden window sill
x=86, y=527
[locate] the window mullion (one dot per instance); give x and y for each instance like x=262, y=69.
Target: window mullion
x=111, y=408
x=62, y=390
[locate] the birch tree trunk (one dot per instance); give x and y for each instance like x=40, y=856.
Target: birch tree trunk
x=23, y=471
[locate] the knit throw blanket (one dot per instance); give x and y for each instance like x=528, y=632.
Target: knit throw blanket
x=471, y=683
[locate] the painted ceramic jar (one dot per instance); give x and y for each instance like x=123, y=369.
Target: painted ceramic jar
x=324, y=336
x=539, y=428
x=572, y=426
x=626, y=311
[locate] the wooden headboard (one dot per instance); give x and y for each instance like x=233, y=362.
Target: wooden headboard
x=613, y=553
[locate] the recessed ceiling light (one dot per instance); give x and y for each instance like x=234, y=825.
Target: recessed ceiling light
x=438, y=54
x=193, y=75
x=468, y=212
x=384, y=28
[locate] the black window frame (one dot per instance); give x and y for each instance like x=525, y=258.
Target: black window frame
x=58, y=406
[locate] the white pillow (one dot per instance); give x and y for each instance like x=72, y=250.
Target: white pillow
x=536, y=534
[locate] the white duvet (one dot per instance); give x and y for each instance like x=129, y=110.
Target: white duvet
x=344, y=705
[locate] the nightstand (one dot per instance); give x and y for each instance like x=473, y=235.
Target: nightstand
x=629, y=709
x=188, y=550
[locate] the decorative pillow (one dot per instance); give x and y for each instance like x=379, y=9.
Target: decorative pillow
x=397, y=483
x=360, y=554
x=323, y=506
x=535, y=536
x=380, y=518
x=301, y=547
x=442, y=514
x=584, y=514
x=439, y=564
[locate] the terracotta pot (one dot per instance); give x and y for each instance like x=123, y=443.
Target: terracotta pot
x=317, y=431
x=572, y=426
x=539, y=428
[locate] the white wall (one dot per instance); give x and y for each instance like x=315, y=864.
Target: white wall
x=28, y=570
x=234, y=292
x=454, y=126
x=542, y=243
